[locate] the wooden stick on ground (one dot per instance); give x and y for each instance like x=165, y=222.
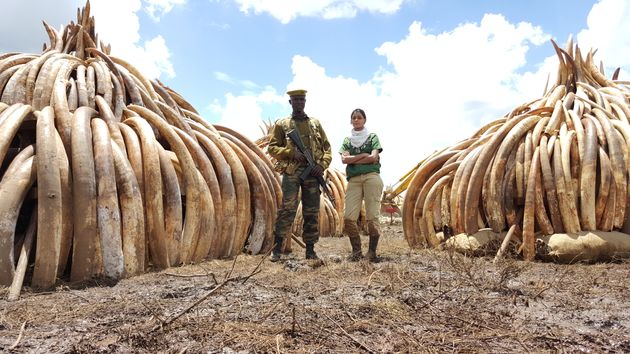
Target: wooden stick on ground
x=228, y=278
x=361, y=345
x=297, y=240
x=17, y=341
x=18, y=278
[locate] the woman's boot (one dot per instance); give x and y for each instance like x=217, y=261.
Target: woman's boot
x=374, y=232
x=371, y=253
x=351, y=229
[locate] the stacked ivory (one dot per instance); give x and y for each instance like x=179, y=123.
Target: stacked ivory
x=559, y=164
x=330, y=215
x=110, y=172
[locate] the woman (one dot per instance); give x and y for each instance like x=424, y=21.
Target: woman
x=360, y=152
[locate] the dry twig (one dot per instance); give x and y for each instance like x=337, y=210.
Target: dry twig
x=359, y=343
x=17, y=341
x=297, y=240
x=228, y=278
x=191, y=275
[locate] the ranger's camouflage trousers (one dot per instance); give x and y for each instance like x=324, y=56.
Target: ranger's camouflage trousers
x=291, y=185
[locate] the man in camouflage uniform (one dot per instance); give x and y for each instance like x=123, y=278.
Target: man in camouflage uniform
x=291, y=162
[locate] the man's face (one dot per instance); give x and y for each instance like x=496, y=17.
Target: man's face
x=298, y=103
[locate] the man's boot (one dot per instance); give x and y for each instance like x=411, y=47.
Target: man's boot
x=277, y=249
x=374, y=232
x=351, y=229
x=310, y=251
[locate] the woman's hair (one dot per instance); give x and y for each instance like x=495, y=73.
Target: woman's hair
x=359, y=110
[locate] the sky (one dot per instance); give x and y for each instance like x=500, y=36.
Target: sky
x=428, y=73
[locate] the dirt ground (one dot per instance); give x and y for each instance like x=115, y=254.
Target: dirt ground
x=412, y=301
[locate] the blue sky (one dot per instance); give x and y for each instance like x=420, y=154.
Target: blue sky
x=427, y=72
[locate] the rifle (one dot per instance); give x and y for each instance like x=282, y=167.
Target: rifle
x=295, y=137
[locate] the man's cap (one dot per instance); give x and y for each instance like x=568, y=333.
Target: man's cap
x=296, y=93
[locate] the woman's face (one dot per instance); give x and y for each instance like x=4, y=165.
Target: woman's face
x=357, y=121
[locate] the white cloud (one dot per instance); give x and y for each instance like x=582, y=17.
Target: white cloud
x=245, y=84
x=608, y=27
x=220, y=26
x=438, y=90
x=117, y=23
x=21, y=25
x=221, y=76
x=286, y=11
x=158, y=56
x=158, y=8
x=245, y=113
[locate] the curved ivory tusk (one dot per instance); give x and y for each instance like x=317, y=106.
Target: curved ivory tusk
x=119, y=97
x=252, y=152
x=15, y=88
x=223, y=171
x=194, y=216
x=615, y=152
x=566, y=198
x=432, y=240
x=90, y=83
x=8, y=110
x=13, y=189
x=473, y=192
x=550, y=187
x=173, y=216
x=422, y=174
x=529, y=251
x=49, y=206
x=260, y=226
x=84, y=261
x=587, y=177
x=154, y=208
x=605, y=175
x=174, y=119
x=146, y=84
x=209, y=176
x=73, y=95
x=112, y=122
x=103, y=81
x=10, y=125
x=82, y=86
x=66, y=205
x=196, y=118
x=423, y=194
x=107, y=208
x=132, y=214
x=242, y=191
x=63, y=117
x=130, y=86
x=496, y=218
x=5, y=77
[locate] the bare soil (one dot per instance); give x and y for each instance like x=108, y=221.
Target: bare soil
x=412, y=301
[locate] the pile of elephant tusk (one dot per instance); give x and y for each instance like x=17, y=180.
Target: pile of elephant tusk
x=559, y=164
x=330, y=214
x=105, y=172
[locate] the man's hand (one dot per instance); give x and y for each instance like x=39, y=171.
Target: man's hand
x=298, y=156
x=317, y=171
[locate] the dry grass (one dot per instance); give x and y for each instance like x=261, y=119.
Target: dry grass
x=413, y=301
